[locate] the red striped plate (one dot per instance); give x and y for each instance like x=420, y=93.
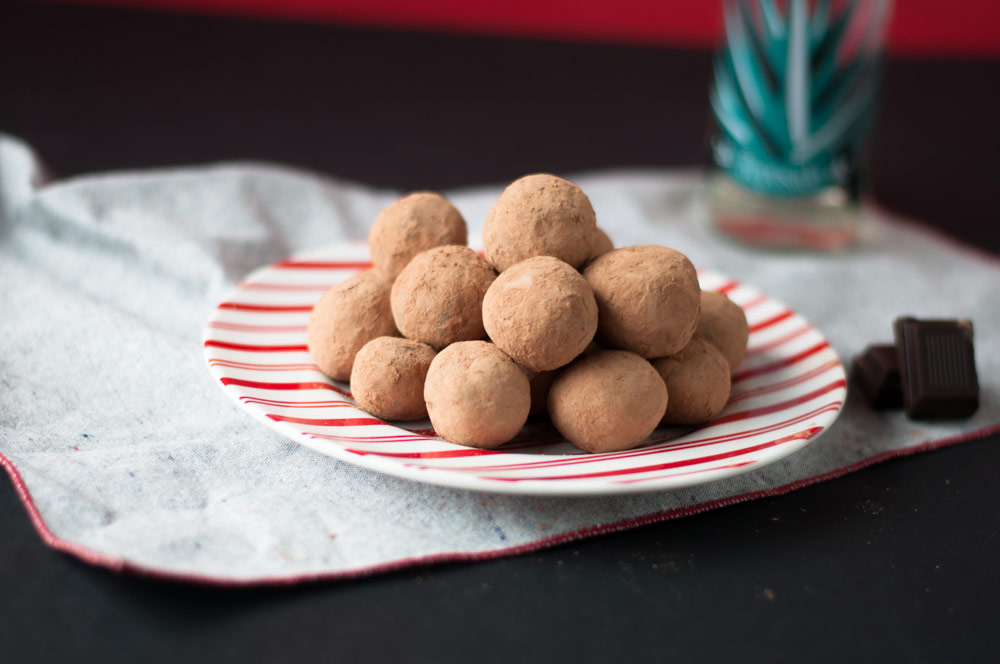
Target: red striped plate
x=789, y=389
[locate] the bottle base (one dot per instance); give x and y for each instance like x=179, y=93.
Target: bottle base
x=826, y=221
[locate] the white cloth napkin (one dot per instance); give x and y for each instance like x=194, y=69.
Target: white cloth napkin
x=129, y=455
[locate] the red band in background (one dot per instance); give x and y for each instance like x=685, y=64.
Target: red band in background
x=919, y=27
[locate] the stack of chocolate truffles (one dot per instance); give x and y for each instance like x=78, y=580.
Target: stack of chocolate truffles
x=930, y=371
x=550, y=319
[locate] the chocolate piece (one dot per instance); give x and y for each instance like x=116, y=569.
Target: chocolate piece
x=539, y=215
x=937, y=368
x=876, y=371
x=648, y=299
x=541, y=312
x=698, y=383
x=607, y=401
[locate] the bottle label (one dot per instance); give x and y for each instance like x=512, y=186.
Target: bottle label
x=794, y=92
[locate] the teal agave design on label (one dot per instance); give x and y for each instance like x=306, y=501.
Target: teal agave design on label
x=794, y=92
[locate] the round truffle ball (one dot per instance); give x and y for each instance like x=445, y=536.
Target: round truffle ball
x=724, y=325
x=540, y=384
x=600, y=243
x=697, y=380
x=438, y=297
x=607, y=401
x=647, y=298
x=476, y=395
x=539, y=215
x=413, y=224
x=388, y=378
x=541, y=312
x=346, y=317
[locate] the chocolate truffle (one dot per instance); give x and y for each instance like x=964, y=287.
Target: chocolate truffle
x=724, y=325
x=697, y=380
x=541, y=312
x=388, y=378
x=607, y=401
x=540, y=385
x=476, y=395
x=348, y=316
x=438, y=297
x=647, y=298
x=600, y=244
x=539, y=215
x=411, y=225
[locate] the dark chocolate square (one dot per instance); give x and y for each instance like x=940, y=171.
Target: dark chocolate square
x=876, y=372
x=937, y=368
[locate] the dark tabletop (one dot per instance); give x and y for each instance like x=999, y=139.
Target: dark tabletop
x=897, y=562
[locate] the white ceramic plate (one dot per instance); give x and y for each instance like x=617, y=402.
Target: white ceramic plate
x=788, y=390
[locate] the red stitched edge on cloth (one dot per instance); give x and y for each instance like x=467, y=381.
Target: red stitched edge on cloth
x=121, y=565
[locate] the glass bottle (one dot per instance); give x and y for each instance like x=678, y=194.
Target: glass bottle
x=793, y=98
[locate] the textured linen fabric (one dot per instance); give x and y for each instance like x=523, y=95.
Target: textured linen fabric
x=134, y=458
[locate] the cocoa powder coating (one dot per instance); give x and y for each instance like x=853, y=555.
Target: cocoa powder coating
x=697, y=380
x=607, y=401
x=541, y=312
x=438, y=297
x=724, y=325
x=539, y=215
x=600, y=244
x=648, y=299
x=476, y=395
x=413, y=224
x=346, y=317
x=388, y=378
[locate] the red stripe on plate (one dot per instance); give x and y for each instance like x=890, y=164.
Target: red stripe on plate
x=774, y=320
x=305, y=404
x=233, y=364
x=690, y=472
x=370, y=440
x=290, y=404
x=278, y=386
x=780, y=341
x=215, y=343
x=727, y=287
x=257, y=285
x=760, y=299
x=322, y=265
x=302, y=368
x=738, y=435
x=422, y=432
x=441, y=454
x=800, y=435
x=775, y=387
x=275, y=308
x=781, y=405
x=346, y=422
x=780, y=364
x=238, y=327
